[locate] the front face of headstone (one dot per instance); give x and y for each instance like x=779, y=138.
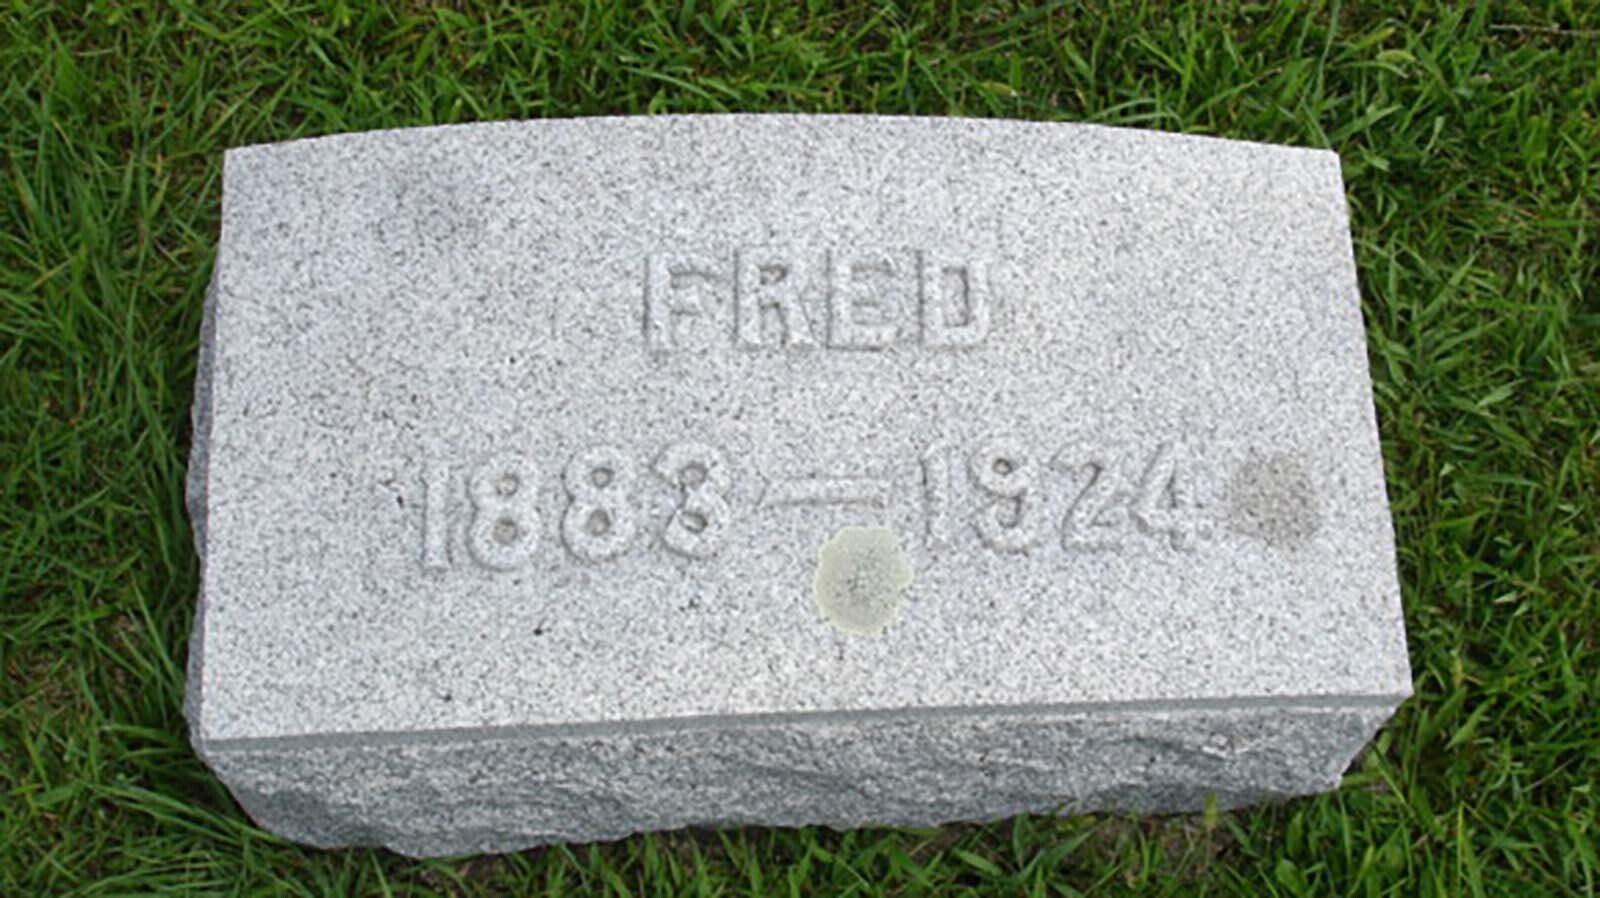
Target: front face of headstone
x=514, y=433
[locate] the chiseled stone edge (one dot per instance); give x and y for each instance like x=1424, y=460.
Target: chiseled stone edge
x=196, y=488
x=457, y=792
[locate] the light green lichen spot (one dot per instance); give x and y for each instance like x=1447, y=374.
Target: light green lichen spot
x=862, y=575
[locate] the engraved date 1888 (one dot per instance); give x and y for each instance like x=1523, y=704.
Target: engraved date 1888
x=1094, y=496
x=600, y=520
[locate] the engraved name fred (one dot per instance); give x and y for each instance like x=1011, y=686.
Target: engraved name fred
x=836, y=298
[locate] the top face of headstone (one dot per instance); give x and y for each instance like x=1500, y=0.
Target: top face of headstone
x=548, y=423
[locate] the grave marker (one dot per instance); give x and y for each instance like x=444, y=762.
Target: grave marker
x=561, y=480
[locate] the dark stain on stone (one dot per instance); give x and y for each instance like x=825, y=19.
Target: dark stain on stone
x=1271, y=498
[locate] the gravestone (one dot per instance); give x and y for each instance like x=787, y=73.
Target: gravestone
x=561, y=480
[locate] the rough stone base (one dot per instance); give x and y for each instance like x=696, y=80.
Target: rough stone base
x=459, y=792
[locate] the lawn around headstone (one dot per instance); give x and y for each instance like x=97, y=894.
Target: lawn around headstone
x=1467, y=146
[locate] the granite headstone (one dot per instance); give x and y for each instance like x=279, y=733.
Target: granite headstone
x=562, y=480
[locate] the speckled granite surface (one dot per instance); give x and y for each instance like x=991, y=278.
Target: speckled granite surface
x=559, y=480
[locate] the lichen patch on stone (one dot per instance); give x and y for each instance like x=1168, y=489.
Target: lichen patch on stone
x=861, y=580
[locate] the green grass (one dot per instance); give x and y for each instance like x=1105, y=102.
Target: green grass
x=1471, y=142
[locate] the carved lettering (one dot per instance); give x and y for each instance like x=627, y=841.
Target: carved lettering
x=866, y=296
x=1097, y=496
x=815, y=490
x=1097, y=509
x=768, y=285
x=955, y=302
x=871, y=299
x=677, y=287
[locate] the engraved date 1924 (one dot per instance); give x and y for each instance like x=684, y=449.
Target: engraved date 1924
x=1095, y=497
